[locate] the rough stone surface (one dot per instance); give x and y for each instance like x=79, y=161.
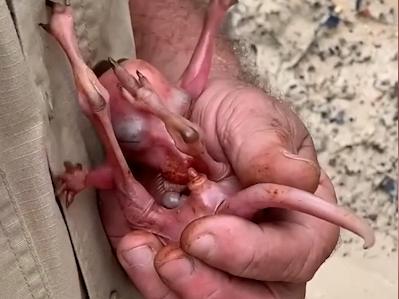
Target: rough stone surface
x=337, y=66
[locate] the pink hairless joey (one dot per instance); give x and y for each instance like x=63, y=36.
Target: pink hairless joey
x=172, y=178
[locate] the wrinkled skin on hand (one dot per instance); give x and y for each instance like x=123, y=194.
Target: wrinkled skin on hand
x=193, y=154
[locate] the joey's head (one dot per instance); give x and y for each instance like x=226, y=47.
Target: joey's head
x=147, y=117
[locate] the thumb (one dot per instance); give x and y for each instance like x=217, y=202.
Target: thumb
x=276, y=164
x=285, y=252
x=266, y=142
x=136, y=252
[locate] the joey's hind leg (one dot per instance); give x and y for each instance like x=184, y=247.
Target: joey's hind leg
x=94, y=101
x=196, y=74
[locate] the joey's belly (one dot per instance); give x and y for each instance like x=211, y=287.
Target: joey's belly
x=172, y=164
x=145, y=141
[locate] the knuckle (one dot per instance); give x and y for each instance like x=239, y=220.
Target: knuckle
x=303, y=269
x=249, y=265
x=136, y=239
x=214, y=294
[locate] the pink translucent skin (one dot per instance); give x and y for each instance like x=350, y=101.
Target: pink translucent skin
x=143, y=127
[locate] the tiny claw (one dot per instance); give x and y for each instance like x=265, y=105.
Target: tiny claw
x=60, y=189
x=143, y=80
x=126, y=80
x=140, y=75
x=46, y=27
x=69, y=199
x=113, y=62
x=79, y=166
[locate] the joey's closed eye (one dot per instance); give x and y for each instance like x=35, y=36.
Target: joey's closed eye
x=132, y=131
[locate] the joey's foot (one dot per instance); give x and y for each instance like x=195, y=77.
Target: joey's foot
x=72, y=181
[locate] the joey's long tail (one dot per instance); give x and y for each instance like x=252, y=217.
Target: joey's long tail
x=257, y=197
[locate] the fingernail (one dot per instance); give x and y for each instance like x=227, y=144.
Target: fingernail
x=140, y=256
x=202, y=245
x=176, y=268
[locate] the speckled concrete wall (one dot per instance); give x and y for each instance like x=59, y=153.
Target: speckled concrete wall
x=337, y=64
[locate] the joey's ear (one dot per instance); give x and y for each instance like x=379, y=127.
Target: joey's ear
x=104, y=65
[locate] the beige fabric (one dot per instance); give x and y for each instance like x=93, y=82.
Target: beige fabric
x=40, y=127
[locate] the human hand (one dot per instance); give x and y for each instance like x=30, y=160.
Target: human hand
x=264, y=141
x=260, y=149
x=224, y=256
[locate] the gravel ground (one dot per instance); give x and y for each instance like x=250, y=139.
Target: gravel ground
x=337, y=65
